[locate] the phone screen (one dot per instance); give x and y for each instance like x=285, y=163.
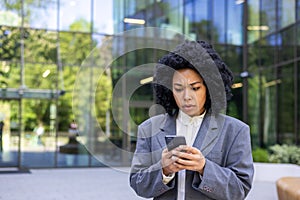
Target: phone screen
x=174, y=141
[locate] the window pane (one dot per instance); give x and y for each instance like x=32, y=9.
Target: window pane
x=268, y=16
x=10, y=43
x=234, y=14
x=10, y=13
x=253, y=20
x=10, y=77
x=287, y=12
x=40, y=76
x=172, y=3
x=103, y=18
x=41, y=14
x=75, y=15
x=266, y=53
x=298, y=103
x=286, y=50
x=197, y=23
x=174, y=20
x=40, y=46
x=219, y=22
x=297, y=39
x=9, y=145
x=286, y=104
x=74, y=47
x=254, y=107
x=269, y=106
x=37, y=141
x=298, y=10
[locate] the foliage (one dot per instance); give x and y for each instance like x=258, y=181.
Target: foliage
x=28, y=5
x=41, y=55
x=103, y=98
x=260, y=155
x=285, y=154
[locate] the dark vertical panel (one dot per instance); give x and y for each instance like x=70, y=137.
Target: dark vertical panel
x=245, y=61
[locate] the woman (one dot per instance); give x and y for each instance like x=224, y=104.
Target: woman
x=193, y=85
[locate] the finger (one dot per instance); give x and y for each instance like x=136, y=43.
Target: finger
x=185, y=162
x=180, y=166
x=190, y=149
x=165, y=150
x=166, y=154
x=181, y=148
x=183, y=155
x=189, y=165
x=172, y=168
x=174, y=158
x=189, y=159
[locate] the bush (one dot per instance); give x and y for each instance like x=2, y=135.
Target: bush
x=285, y=154
x=260, y=155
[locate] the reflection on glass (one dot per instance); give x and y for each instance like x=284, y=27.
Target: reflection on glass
x=219, y=21
x=234, y=30
x=253, y=20
x=287, y=12
x=40, y=14
x=41, y=76
x=75, y=15
x=103, y=18
x=198, y=22
x=268, y=16
x=40, y=46
x=38, y=142
x=9, y=140
x=269, y=107
x=286, y=96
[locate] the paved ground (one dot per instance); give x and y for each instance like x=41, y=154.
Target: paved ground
x=86, y=184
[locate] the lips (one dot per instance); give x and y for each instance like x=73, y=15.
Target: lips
x=188, y=107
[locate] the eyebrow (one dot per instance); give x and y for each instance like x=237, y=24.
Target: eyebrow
x=194, y=83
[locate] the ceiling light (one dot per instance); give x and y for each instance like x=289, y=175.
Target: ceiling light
x=237, y=2
x=257, y=28
x=134, y=21
x=237, y=85
x=146, y=80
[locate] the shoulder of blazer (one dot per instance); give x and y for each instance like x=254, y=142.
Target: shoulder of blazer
x=158, y=123
x=234, y=121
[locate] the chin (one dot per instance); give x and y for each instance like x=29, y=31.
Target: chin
x=191, y=114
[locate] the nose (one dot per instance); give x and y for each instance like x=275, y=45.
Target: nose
x=187, y=94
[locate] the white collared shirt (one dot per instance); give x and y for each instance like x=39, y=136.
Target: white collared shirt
x=188, y=127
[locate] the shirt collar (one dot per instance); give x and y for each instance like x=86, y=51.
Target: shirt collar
x=186, y=119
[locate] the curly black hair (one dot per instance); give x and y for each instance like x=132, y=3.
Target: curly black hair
x=201, y=57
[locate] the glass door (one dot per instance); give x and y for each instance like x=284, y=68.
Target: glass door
x=9, y=133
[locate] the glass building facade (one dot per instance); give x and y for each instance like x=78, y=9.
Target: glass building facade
x=50, y=53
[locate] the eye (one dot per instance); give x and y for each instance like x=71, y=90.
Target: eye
x=178, y=89
x=195, y=88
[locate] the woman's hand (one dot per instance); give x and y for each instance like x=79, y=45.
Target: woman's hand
x=190, y=158
x=168, y=162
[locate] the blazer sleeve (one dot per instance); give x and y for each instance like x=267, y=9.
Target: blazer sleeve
x=234, y=180
x=146, y=169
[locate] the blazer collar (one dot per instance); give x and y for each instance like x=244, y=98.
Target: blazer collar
x=169, y=127
x=208, y=133
x=206, y=137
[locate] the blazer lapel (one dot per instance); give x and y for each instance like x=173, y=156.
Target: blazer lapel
x=207, y=134
x=166, y=128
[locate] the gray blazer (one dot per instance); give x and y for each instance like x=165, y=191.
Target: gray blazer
x=223, y=140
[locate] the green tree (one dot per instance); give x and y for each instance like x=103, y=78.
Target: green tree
x=41, y=55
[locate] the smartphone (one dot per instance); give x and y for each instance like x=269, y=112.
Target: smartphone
x=174, y=141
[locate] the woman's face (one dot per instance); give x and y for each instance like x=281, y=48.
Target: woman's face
x=189, y=92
